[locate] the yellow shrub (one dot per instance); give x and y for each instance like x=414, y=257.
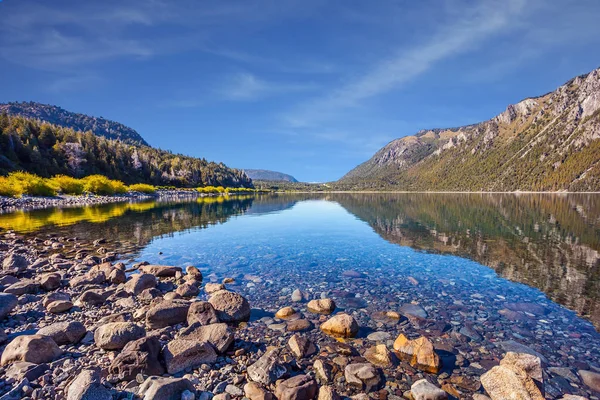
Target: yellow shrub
x=98, y=184
x=33, y=185
x=67, y=185
x=141, y=187
x=7, y=188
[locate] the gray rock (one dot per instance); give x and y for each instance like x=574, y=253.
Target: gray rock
x=166, y=313
x=181, y=354
x=299, y=387
x=363, y=376
x=7, y=303
x=220, y=336
x=158, y=388
x=267, y=369
x=116, y=335
x=203, y=313
x=230, y=306
x=68, y=332
x=87, y=386
x=424, y=390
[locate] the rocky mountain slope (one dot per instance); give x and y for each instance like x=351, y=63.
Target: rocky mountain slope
x=266, y=175
x=546, y=143
x=79, y=122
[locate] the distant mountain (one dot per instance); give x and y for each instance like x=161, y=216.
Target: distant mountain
x=546, y=143
x=266, y=175
x=79, y=122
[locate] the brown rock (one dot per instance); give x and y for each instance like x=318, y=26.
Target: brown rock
x=203, y=313
x=59, y=306
x=35, y=349
x=299, y=325
x=510, y=382
x=379, y=355
x=321, y=306
x=138, y=282
x=419, y=353
x=50, y=281
x=254, y=391
x=327, y=393
x=158, y=388
x=340, y=325
x=160, y=271
x=166, y=313
x=285, y=313
x=210, y=288
x=220, y=336
x=138, y=357
x=591, y=379
x=300, y=387
x=187, y=290
x=115, y=335
x=301, y=346
x=180, y=354
x=230, y=306
x=68, y=332
x=362, y=375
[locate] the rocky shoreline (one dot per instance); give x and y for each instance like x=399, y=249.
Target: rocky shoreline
x=77, y=323
x=11, y=204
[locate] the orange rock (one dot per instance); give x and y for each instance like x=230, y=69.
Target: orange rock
x=419, y=353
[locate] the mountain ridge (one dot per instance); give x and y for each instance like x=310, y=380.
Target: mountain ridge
x=547, y=143
x=268, y=175
x=77, y=121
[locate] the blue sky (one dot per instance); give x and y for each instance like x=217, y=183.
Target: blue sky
x=308, y=87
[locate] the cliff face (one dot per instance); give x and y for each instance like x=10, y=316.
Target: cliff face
x=551, y=142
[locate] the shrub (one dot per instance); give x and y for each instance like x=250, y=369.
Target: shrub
x=33, y=185
x=7, y=188
x=67, y=185
x=98, y=184
x=141, y=187
x=118, y=187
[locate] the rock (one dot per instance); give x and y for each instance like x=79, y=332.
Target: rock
x=138, y=357
x=321, y=306
x=138, y=282
x=572, y=397
x=87, y=386
x=187, y=290
x=424, y=390
x=59, y=306
x=299, y=325
x=180, y=354
x=211, y=288
x=267, y=369
x=50, y=281
x=115, y=335
x=301, y=346
x=516, y=347
x=323, y=371
x=364, y=376
x=15, y=262
x=379, y=355
x=510, y=382
x=379, y=336
x=193, y=274
x=340, y=325
x=220, y=336
x=24, y=286
x=7, y=303
x=166, y=313
x=117, y=276
x=90, y=298
x=591, y=379
x=20, y=370
x=35, y=349
x=158, y=388
x=286, y=313
x=160, y=271
x=297, y=296
x=56, y=296
x=300, y=387
x=203, y=313
x=413, y=310
x=230, y=306
x=327, y=393
x=68, y=332
x=253, y=391
x=419, y=353
x=532, y=365
x=93, y=277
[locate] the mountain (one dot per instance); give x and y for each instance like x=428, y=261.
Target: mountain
x=266, y=175
x=545, y=143
x=31, y=145
x=79, y=122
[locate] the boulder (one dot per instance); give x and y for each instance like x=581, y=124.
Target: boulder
x=90, y=298
x=160, y=271
x=187, y=290
x=340, y=325
x=220, y=336
x=203, y=313
x=230, y=306
x=158, y=388
x=115, y=335
x=253, y=391
x=301, y=346
x=299, y=325
x=55, y=296
x=300, y=387
x=59, y=306
x=180, y=354
x=68, y=332
x=140, y=356
x=418, y=352
x=591, y=379
x=379, y=355
x=93, y=277
x=364, y=376
x=321, y=306
x=424, y=390
x=138, y=282
x=35, y=349
x=328, y=393
x=15, y=262
x=193, y=274
x=166, y=313
x=533, y=366
x=7, y=303
x=87, y=386
x=267, y=369
x=24, y=286
x=20, y=370
x=510, y=381
x=210, y=288
x=286, y=313
x=50, y=281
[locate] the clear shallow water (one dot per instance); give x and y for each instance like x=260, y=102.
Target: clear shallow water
x=494, y=268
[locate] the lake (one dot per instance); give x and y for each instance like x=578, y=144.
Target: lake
x=486, y=272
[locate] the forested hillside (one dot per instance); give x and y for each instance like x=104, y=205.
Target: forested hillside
x=46, y=150
x=79, y=122
x=547, y=143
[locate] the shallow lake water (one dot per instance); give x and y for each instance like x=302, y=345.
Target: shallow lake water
x=500, y=269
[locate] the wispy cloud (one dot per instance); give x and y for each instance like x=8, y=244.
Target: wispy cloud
x=246, y=86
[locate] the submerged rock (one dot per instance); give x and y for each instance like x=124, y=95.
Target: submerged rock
x=424, y=390
x=340, y=325
x=419, y=353
x=321, y=306
x=364, y=376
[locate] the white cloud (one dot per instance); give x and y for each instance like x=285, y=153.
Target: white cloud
x=246, y=86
